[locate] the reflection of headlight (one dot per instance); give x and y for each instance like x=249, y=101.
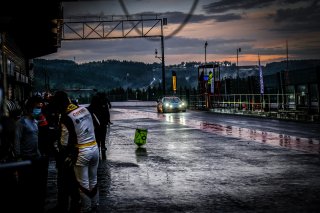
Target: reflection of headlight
x=182, y=104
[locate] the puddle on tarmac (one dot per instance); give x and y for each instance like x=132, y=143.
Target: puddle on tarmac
x=310, y=145
x=303, y=144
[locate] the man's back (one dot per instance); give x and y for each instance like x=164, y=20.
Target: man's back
x=100, y=107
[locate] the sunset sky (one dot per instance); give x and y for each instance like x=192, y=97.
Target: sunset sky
x=255, y=26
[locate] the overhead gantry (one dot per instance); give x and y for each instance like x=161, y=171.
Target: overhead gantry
x=114, y=27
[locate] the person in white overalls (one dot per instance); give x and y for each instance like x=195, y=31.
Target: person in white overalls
x=77, y=135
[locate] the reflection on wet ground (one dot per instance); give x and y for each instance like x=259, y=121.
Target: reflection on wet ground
x=310, y=145
x=182, y=168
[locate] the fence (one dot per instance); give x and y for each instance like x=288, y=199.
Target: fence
x=278, y=105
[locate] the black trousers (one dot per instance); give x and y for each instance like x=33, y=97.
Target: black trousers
x=68, y=190
x=101, y=133
x=32, y=185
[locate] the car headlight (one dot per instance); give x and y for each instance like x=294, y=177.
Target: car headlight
x=166, y=104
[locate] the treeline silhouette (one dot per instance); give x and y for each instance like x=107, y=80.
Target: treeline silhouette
x=120, y=79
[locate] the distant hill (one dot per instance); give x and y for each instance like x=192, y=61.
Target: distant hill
x=106, y=75
x=275, y=67
x=111, y=74
x=269, y=69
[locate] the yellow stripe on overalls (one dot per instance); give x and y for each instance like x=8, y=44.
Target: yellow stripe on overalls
x=86, y=144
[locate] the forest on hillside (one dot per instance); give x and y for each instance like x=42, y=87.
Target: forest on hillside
x=128, y=78
x=106, y=75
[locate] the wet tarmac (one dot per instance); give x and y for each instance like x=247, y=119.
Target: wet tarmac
x=198, y=162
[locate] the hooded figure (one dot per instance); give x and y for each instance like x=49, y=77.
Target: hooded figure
x=100, y=108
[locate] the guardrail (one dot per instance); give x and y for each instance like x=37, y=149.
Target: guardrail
x=283, y=106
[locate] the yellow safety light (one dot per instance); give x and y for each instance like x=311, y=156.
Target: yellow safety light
x=174, y=81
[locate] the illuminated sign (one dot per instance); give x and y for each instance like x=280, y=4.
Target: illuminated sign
x=174, y=81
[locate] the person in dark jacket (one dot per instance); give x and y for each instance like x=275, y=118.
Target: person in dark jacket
x=26, y=148
x=99, y=106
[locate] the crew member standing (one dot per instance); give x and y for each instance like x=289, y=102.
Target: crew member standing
x=26, y=148
x=99, y=106
x=82, y=150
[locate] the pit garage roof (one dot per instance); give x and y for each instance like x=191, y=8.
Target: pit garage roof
x=32, y=25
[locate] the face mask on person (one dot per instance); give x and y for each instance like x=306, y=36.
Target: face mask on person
x=36, y=112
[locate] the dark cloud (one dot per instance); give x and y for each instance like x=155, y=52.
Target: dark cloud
x=141, y=46
x=178, y=17
x=230, y=5
x=301, y=14
x=227, y=5
x=178, y=45
x=288, y=18
x=302, y=19
x=226, y=17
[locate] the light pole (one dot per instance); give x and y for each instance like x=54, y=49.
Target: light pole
x=127, y=86
x=205, y=52
x=206, y=94
x=238, y=50
x=163, y=66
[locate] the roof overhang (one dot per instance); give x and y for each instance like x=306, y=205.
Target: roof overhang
x=32, y=26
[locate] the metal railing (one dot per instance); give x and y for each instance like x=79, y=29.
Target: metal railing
x=251, y=102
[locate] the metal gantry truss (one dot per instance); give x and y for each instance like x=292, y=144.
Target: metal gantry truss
x=114, y=27
x=78, y=28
